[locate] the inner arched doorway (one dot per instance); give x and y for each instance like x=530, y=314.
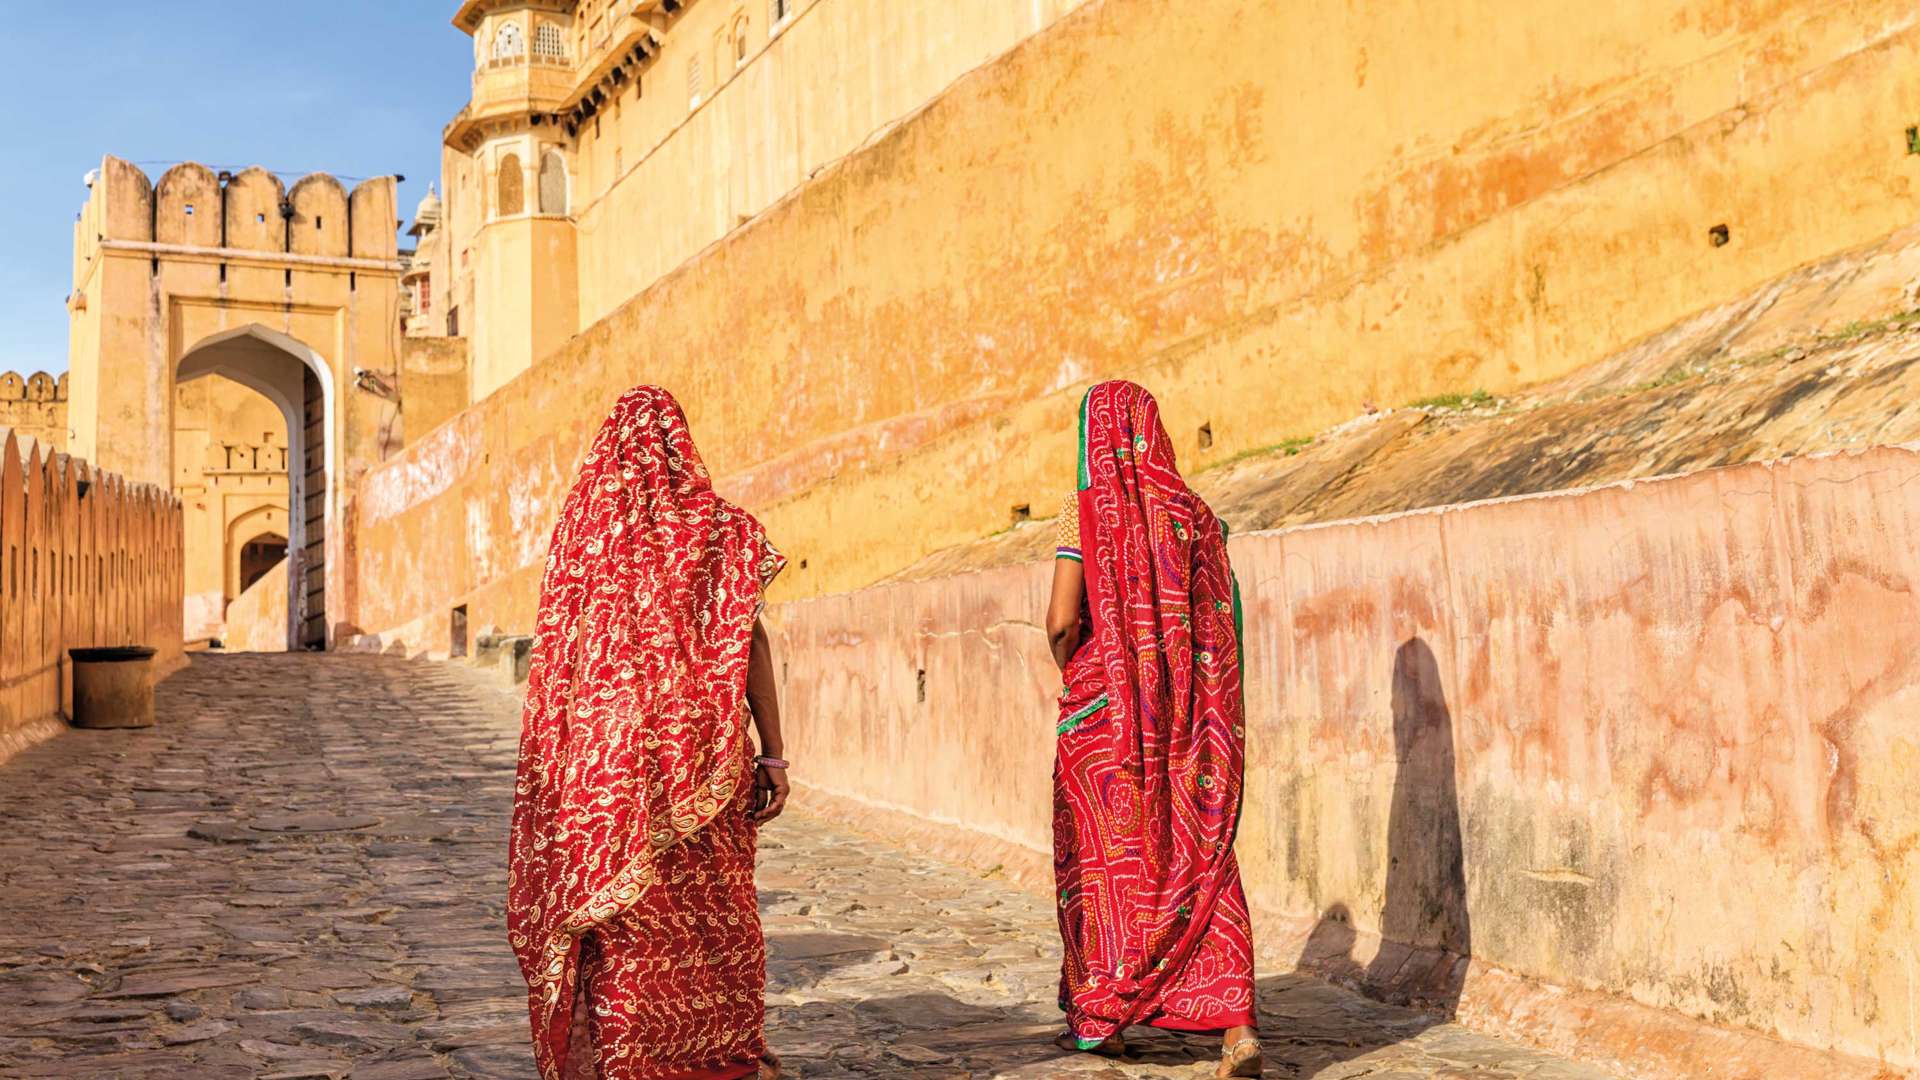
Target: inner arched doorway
x=255, y=541
x=296, y=379
x=257, y=556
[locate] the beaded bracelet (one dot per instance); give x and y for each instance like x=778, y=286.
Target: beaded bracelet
x=770, y=762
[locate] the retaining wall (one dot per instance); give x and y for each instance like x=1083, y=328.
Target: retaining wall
x=1652, y=743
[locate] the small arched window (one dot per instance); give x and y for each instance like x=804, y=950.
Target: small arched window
x=513, y=186
x=740, y=41
x=549, y=44
x=510, y=43
x=553, y=183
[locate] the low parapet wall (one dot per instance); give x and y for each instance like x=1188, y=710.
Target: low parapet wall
x=1646, y=749
x=85, y=559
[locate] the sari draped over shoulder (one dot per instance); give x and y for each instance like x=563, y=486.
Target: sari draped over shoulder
x=1151, y=744
x=630, y=872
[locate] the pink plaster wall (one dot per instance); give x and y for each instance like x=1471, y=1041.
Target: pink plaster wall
x=1654, y=740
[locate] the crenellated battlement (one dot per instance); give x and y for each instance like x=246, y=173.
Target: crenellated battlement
x=288, y=285
x=35, y=407
x=37, y=387
x=192, y=210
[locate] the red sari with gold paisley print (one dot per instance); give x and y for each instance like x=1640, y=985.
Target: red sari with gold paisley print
x=630, y=901
x=1148, y=769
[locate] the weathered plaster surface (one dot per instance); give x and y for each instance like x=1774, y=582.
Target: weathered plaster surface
x=1138, y=190
x=1653, y=739
x=1824, y=358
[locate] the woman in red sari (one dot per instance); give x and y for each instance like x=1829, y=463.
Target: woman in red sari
x=1144, y=623
x=631, y=903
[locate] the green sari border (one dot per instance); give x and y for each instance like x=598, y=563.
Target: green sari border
x=1239, y=620
x=1080, y=717
x=1085, y=480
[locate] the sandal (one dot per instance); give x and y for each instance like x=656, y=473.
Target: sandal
x=1112, y=1046
x=769, y=1067
x=1242, y=1059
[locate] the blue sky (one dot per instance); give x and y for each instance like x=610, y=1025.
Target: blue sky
x=353, y=87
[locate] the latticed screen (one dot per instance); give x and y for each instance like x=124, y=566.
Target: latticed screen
x=549, y=44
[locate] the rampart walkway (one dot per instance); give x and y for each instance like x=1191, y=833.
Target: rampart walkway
x=254, y=889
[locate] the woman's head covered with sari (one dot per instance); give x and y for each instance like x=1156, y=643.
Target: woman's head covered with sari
x=1150, y=779
x=634, y=731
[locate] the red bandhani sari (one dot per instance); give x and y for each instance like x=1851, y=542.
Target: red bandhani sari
x=1152, y=737
x=630, y=898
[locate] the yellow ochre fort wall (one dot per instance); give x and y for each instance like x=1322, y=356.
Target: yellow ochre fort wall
x=836, y=72
x=1271, y=215
x=727, y=116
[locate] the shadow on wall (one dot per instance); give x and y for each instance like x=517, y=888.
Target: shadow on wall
x=1426, y=935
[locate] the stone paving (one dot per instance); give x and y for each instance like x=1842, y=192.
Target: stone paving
x=298, y=875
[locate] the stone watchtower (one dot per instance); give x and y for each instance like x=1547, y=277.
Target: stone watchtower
x=513, y=226
x=293, y=292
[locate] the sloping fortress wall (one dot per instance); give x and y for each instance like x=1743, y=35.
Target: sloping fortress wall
x=85, y=559
x=1270, y=214
x=1653, y=739
x=635, y=133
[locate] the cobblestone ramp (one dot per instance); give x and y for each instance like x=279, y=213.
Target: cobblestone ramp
x=298, y=874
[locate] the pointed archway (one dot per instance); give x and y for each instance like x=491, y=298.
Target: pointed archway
x=298, y=381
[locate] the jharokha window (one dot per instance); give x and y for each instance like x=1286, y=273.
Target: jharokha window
x=510, y=43
x=549, y=44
